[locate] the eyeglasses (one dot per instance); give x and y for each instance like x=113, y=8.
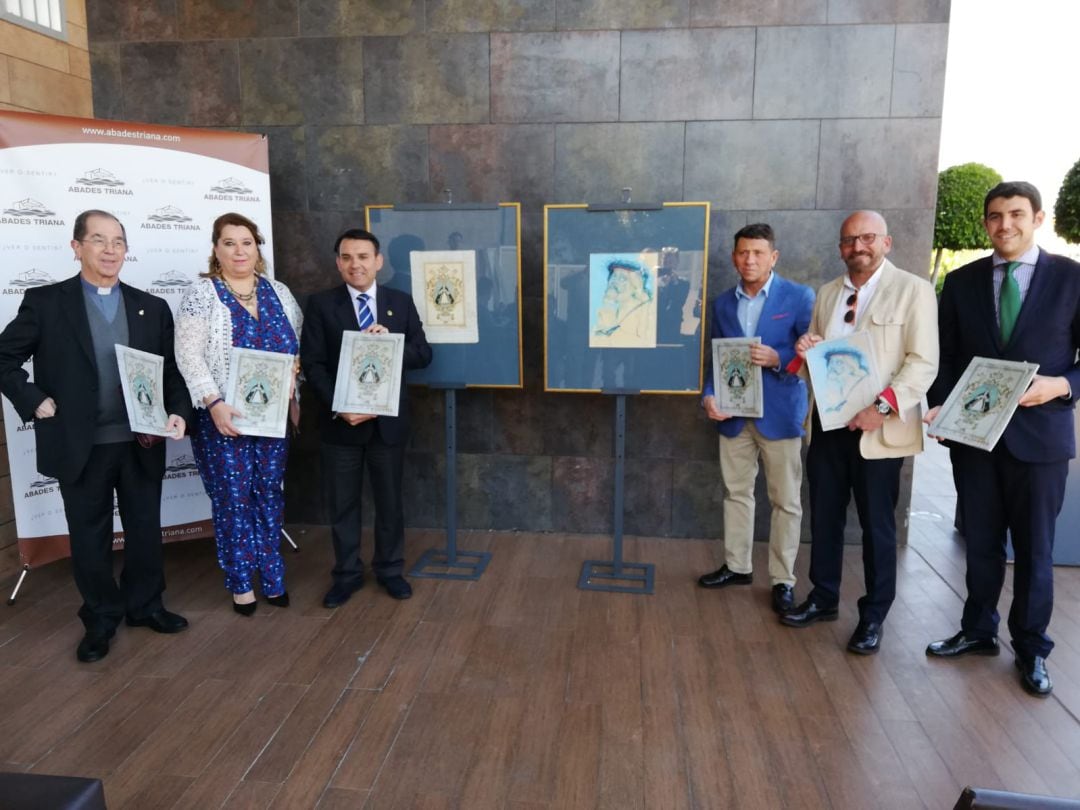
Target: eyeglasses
x=852, y=301
x=98, y=243
x=864, y=238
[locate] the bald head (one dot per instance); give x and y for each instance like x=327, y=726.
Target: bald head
x=864, y=241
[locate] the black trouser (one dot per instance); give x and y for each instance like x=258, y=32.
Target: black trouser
x=1000, y=494
x=343, y=477
x=88, y=504
x=835, y=470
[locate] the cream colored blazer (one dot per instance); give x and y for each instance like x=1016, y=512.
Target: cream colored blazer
x=902, y=321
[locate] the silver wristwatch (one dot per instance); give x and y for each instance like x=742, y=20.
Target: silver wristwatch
x=882, y=405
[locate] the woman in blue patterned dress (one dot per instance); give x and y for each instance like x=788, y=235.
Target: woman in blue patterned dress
x=235, y=305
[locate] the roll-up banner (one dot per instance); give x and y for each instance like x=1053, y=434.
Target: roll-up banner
x=166, y=185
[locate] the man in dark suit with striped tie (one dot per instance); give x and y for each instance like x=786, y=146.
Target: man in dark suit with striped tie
x=1022, y=304
x=353, y=442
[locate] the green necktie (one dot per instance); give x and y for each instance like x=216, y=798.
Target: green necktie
x=1009, y=303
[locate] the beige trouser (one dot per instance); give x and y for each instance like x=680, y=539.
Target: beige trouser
x=783, y=477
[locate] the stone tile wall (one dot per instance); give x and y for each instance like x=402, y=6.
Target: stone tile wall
x=789, y=111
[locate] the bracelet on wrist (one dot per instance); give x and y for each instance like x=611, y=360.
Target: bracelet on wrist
x=215, y=402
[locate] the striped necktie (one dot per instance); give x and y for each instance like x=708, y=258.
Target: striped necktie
x=363, y=311
x=1009, y=302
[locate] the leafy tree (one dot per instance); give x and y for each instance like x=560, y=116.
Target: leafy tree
x=1067, y=207
x=958, y=221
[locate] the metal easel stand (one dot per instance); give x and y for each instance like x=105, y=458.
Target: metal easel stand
x=616, y=575
x=18, y=584
x=450, y=562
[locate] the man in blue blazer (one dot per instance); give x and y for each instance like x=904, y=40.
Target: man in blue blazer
x=353, y=442
x=1023, y=304
x=766, y=305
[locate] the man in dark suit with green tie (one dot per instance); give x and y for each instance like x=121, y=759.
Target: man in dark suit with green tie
x=1023, y=304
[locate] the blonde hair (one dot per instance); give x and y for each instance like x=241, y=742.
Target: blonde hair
x=239, y=221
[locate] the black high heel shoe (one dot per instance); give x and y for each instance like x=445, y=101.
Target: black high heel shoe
x=279, y=601
x=245, y=608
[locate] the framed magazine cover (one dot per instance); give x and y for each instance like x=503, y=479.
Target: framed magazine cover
x=982, y=402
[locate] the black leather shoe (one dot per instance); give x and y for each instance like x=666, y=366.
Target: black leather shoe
x=722, y=577
x=1033, y=675
x=783, y=599
x=961, y=644
x=866, y=640
x=161, y=621
x=282, y=600
x=807, y=613
x=93, y=647
x=339, y=594
x=397, y=587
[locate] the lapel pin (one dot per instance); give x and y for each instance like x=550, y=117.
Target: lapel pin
x=140, y=312
x=390, y=313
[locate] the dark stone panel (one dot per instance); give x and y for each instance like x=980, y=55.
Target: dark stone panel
x=112, y=21
x=919, y=70
x=668, y=427
x=616, y=14
x=532, y=251
x=350, y=18
x=823, y=71
x=647, y=507
x=532, y=346
x=581, y=494
x=455, y=16
x=807, y=241
x=207, y=95
x=505, y=492
x=579, y=425
x=427, y=420
x=213, y=19
x=475, y=420
x=878, y=163
x=707, y=13
x=517, y=422
x=494, y=163
x=349, y=167
x=722, y=227
x=687, y=74
x=736, y=164
x=302, y=81
x=288, y=179
x=697, y=499
x=106, y=82
x=889, y=11
x=433, y=79
x=913, y=235
x=553, y=77
x=593, y=162
x=304, y=249
x=423, y=491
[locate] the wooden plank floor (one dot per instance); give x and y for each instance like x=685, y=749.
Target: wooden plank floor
x=520, y=691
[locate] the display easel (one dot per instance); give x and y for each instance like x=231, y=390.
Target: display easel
x=614, y=574
x=450, y=562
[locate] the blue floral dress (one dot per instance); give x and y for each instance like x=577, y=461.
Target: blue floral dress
x=243, y=475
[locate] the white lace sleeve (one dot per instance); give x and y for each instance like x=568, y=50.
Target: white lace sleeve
x=201, y=332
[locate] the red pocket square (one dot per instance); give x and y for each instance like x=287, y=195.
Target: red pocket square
x=781, y=315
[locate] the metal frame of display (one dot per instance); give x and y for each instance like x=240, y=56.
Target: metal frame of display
x=450, y=562
x=616, y=575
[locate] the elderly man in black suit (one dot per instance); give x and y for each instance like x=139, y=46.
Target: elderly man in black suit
x=81, y=426
x=353, y=442
x=1021, y=303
